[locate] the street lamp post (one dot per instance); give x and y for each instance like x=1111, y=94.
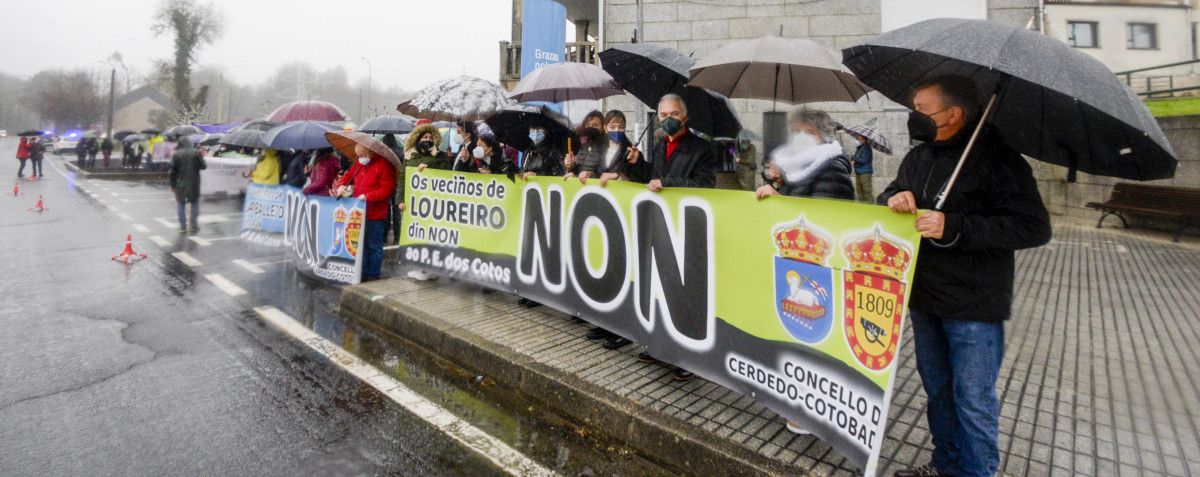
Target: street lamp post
x=368, y=85
x=112, y=100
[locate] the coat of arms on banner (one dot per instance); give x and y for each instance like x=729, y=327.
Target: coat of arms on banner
x=354, y=231
x=802, y=281
x=873, y=290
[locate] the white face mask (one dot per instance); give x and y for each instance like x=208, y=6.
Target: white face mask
x=477, y=153
x=802, y=141
x=364, y=160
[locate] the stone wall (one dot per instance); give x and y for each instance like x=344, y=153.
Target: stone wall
x=1070, y=200
x=699, y=26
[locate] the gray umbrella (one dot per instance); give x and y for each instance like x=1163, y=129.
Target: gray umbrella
x=388, y=125
x=566, y=82
x=182, y=131
x=1047, y=100
x=791, y=70
x=244, y=138
x=464, y=98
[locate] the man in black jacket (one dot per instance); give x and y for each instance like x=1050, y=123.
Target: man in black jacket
x=682, y=160
x=186, y=164
x=963, y=284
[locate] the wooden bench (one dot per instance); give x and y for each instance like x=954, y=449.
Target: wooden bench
x=1178, y=204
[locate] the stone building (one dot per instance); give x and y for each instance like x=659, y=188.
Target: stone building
x=133, y=109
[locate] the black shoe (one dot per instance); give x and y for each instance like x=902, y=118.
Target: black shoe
x=615, y=342
x=531, y=304
x=927, y=470
x=597, y=333
x=578, y=320
x=646, y=358
x=683, y=375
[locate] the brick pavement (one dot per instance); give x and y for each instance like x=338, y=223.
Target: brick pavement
x=1097, y=379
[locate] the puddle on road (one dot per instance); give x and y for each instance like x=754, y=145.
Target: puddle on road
x=543, y=436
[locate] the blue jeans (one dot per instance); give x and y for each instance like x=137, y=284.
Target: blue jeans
x=959, y=362
x=373, y=249
x=194, y=215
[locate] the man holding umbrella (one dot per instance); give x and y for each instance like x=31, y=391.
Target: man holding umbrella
x=372, y=178
x=683, y=160
x=963, y=286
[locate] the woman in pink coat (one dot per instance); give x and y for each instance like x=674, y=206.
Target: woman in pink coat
x=324, y=172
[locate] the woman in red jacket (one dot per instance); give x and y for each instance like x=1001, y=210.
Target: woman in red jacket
x=373, y=179
x=22, y=155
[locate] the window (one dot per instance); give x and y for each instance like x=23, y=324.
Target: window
x=1083, y=34
x=1142, y=36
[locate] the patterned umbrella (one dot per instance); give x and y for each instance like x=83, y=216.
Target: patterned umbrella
x=388, y=125
x=566, y=82
x=307, y=111
x=873, y=137
x=244, y=138
x=299, y=135
x=464, y=98
x=344, y=142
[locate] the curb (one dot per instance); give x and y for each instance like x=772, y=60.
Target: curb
x=661, y=438
x=114, y=174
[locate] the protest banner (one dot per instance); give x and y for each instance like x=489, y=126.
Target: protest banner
x=325, y=235
x=224, y=174
x=798, y=303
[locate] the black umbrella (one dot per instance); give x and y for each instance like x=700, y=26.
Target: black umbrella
x=256, y=125
x=648, y=72
x=244, y=138
x=151, y=131
x=511, y=126
x=119, y=135
x=31, y=132
x=1047, y=100
x=212, y=139
x=710, y=113
x=133, y=138
x=182, y=131
x=388, y=125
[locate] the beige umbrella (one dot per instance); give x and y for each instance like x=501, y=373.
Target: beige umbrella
x=791, y=70
x=344, y=142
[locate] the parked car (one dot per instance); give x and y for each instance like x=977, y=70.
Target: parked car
x=65, y=144
x=3, y=133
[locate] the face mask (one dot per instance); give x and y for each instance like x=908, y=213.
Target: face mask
x=671, y=126
x=802, y=141
x=425, y=144
x=616, y=136
x=537, y=136
x=477, y=153
x=921, y=127
x=364, y=160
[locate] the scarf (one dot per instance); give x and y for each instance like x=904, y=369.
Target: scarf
x=798, y=162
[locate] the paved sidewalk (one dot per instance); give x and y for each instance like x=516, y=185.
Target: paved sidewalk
x=1097, y=380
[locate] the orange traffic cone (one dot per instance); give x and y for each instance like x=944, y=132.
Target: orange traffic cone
x=16, y=189
x=39, y=206
x=128, y=253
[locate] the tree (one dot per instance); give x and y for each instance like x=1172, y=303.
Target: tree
x=194, y=26
x=14, y=114
x=69, y=99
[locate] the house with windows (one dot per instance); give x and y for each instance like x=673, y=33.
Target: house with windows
x=1137, y=39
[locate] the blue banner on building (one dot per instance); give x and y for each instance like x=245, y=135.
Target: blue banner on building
x=543, y=34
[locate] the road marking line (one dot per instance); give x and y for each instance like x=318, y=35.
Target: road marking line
x=508, y=459
x=161, y=199
x=205, y=219
x=199, y=241
x=141, y=228
x=158, y=240
x=165, y=223
x=225, y=285
x=187, y=259
x=250, y=267
x=125, y=217
x=204, y=242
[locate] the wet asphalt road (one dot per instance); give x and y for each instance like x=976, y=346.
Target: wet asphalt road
x=153, y=369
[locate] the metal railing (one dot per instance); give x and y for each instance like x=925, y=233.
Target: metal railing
x=510, y=58
x=1158, y=85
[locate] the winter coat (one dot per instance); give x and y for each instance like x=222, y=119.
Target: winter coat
x=993, y=209
x=864, y=156
x=497, y=164
x=544, y=160
x=266, y=170
x=37, y=150
x=106, y=146
x=23, y=149
x=323, y=173
x=186, y=164
x=590, y=157
x=831, y=181
x=469, y=165
x=414, y=159
x=693, y=164
x=295, y=175
x=376, y=181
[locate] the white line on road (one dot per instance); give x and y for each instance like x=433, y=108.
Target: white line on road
x=495, y=450
x=141, y=228
x=125, y=217
x=187, y=259
x=199, y=241
x=206, y=241
x=225, y=285
x=250, y=267
x=160, y=199
x=165, y=223
x=158, y=240
x=205, y=219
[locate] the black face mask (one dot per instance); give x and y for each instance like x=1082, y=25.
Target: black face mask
x=921, y=127
x=425, y=145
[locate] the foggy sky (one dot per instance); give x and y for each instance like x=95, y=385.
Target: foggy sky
x=409, y=43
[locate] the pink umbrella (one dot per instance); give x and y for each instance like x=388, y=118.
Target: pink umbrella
x=307, y=111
